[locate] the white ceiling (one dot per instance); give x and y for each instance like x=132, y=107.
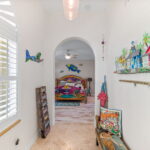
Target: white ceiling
x=84, y=5
x=76, y=47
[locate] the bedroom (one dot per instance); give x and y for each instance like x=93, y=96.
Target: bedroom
x=75, y=75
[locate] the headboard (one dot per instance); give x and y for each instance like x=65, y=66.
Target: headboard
x=72, y=79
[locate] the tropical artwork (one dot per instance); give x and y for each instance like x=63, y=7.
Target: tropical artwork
x=136, y=59
x=73, y=68
x=111, y=121
x=36, y=58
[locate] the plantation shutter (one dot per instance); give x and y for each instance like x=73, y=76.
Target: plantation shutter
x=8, y=61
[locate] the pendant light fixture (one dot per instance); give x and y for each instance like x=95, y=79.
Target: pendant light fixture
x=71, y=8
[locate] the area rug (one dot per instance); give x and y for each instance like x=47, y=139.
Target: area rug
x=67, y=103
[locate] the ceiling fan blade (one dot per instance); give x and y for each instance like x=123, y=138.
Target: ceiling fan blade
x=74, y=57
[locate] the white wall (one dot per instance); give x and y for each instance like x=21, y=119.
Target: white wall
x=127, y=22
x=30, y=20
x=32, y=24
x=87, y=70
x=88, y=27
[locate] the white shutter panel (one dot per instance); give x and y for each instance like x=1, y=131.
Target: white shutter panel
x=8, y=61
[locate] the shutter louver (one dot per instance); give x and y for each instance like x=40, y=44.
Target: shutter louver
x=8, y=61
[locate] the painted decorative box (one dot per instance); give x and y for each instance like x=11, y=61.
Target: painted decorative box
x=111, y=142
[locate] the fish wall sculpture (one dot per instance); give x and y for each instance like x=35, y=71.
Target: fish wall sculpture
x=36, y=58
x=73, y=68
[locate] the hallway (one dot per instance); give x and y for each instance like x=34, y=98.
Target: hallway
x=68, y=136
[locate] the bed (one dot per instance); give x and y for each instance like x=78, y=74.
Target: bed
x=71, y=87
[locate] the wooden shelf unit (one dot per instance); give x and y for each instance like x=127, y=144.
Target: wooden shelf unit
x=43, y=115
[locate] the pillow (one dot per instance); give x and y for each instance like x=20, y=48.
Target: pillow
x=79, y=85
x=111, y=120
x=70, y=84
x=62, y=83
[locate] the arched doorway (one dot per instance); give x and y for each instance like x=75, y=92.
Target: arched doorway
x=74, y=57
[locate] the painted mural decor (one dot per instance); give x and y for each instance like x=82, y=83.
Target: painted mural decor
x=136, y=59
x=111, y=120
x=36, y=58
x=73, y=68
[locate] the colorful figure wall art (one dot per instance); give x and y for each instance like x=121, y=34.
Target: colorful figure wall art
x=36, y=58
x=136, y=59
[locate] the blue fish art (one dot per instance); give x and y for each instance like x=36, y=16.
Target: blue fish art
x=36, y=58
x=73, y=68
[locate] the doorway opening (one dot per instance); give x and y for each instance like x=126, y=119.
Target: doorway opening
x=75, y=82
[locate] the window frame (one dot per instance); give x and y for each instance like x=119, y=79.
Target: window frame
x=8, y=120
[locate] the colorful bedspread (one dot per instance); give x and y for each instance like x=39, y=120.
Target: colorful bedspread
x=67, y=91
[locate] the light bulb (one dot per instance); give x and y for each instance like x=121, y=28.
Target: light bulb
x=68, y=56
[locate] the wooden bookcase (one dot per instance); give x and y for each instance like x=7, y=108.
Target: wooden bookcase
x=42, y=109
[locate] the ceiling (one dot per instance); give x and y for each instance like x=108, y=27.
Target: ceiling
x=76, y=47
x=84, y=5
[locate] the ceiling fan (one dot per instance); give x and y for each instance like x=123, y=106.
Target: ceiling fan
x=68, y=55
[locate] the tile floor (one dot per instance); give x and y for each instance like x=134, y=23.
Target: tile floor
x=68, y=136
x=74, y=129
